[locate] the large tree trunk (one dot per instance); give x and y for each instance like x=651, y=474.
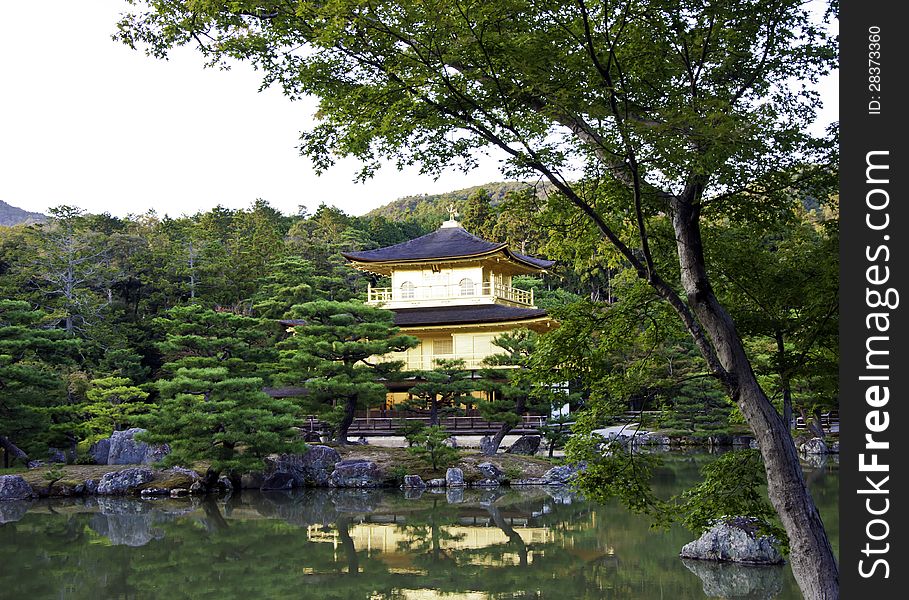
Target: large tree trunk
x=497, y=439
x=350, y=407
x=811, y=557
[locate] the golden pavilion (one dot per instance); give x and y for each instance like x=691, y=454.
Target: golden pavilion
x=453, y=291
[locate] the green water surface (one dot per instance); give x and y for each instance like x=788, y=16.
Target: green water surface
x=378, y=545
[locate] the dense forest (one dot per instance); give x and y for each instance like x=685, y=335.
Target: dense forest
x=101, y=316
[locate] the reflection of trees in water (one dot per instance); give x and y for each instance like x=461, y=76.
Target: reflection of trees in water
x=267, y=548
x=426, y=531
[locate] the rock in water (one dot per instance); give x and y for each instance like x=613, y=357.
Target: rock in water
x=526, y=444
x=278, y=481
x=734, y=539
x=125, y=450
x=121, y=482
x=413, y=482
x=814, y=446
x=313, y=467
x=13, y=487
x=318, y=463
x=454, y=477
x=562, y=474
x=357, y=473
x=490, y=471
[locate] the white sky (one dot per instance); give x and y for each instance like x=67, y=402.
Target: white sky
x=86, y=121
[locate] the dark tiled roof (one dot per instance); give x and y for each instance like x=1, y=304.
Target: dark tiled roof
x=446, y=242
x=453, y=315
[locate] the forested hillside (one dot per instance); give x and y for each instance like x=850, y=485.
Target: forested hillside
x=101, y=315
x=429, y=209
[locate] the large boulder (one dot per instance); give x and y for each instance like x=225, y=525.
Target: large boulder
x=99, y=451
x=318, y=463
x=454, y=477
x=813, y=446
x=125, y=450
x=13, y=487
x=490, y=471
x=122, y=482
x=734, y=539
x=356, y=473
x=278, y=481
x=413, y=482
x=561, y=474
x=486, y=446
x=526, y=444
x=56, y=455
x=313, y=467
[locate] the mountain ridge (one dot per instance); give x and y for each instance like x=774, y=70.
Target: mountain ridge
x=13, y=215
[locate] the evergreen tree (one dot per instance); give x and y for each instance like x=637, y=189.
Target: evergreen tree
x=332, y=355
x=478, y=215
x=430, y=445
x=30, y=382
x=441, y=390
x=212, y=404
x=112, y=404
x=512, y=391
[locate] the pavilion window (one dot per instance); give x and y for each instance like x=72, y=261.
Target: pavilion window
x=407, y=290
x=467, y=288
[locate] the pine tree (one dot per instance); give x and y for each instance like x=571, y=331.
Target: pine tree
x=212, y=405
x=30, y=382
x=511, y=391
x=441, y=390
x=332, y=355
x=112, y=404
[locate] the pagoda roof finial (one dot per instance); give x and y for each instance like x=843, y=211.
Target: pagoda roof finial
x=452, y=217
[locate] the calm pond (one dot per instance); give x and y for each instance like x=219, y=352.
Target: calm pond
x=377, y=545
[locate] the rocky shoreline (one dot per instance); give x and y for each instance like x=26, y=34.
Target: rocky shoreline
x=126, y=467
x=319, y=467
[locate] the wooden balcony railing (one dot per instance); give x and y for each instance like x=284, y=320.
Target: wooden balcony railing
x=450, y=292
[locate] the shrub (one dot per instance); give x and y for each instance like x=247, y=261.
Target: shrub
x=430, y=447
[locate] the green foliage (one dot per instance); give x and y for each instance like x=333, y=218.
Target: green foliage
x=331, y=355
x=441, y=390
x=430, y=447
x=732, y=486
x=53, y=475
x=410, y=429
x=212, y=405
x=113, y=403
x=398, y=472
x=557, y=431
x=477, y=216
x=781, y=285
x=511, y=391
x=31, y=358
x=513, y=472
x=617, y=472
